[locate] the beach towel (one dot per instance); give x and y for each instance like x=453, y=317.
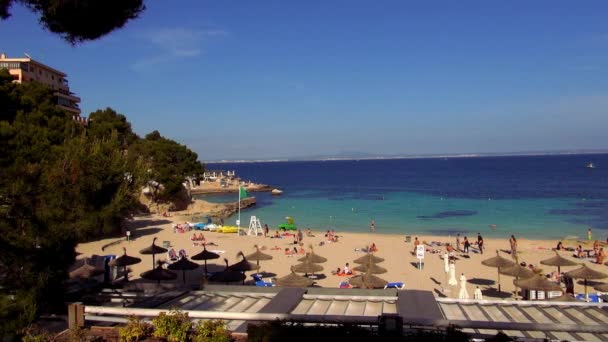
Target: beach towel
x=217, y=251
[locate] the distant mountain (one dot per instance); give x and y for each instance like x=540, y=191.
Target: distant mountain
x=354, y=155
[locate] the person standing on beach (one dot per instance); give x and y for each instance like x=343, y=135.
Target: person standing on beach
x=300, y=236
x=416, y=243
x=265, y=230
x=513, y=243
x=372, y=226
x=458, y=242
x=480, y=243
x=467, y=244
x=589, y=235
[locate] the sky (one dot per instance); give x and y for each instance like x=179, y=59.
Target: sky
x=280, y=79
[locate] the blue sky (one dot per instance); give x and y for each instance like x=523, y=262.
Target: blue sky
x=271, y=79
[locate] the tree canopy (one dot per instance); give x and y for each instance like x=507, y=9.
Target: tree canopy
x=63, y=182
x=79, y=20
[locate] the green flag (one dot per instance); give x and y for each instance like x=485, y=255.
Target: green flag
x=242, y=192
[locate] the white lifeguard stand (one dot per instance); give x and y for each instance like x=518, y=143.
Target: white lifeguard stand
x=255, y=226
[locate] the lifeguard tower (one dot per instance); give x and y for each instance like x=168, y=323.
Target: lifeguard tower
x=255, y=226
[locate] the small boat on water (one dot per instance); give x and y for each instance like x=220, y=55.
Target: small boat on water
x=276, y=192
x=590, y=166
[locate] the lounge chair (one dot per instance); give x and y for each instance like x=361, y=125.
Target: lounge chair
x=260, y=282
x=397, y=285
x=344, y=285
x=172, y=255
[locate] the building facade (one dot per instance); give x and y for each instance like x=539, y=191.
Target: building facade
x=26, y=70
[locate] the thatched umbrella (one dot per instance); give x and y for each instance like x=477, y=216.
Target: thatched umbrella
x=124, y=261
x=497, y=262
x=516, y=271
x=317, y=259
x=601, y=287
x=367, y=281
x=153, y=249
x=367, y=258
x=558, y=261
x=258, y=256
x=86, y=271
x=371, y=267
x=243, y=265
x=585, y=273
x=184, y=265
x=294, y=280
x=158, y=274
x=307, y=267
x=538, y=283
x=205, y=255
x=227, y=275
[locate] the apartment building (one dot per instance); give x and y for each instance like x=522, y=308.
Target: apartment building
x=26, y=70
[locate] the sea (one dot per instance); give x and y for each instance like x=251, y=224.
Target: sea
x=539, y=197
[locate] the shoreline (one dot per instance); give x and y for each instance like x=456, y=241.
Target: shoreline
x=400, y=260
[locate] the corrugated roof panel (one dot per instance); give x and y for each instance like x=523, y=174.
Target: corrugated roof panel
x=581, y=317
x=303, y=306
x=495, y=314
x=373, y=309
x=211, y=304
x=355, y=308
x=337, y=307
x=244, y=304
x=518, y=316
x=319, y=307
x=557, y=314
x=475, y=313
x=228, y=303
x=257, y=306
x=597, y=313
x=389, y=307
x=193, y=303
x=591, y=337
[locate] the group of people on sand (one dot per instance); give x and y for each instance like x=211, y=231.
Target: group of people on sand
x=346, y=271
x=198, y=238
x=331, y=236
x=294, y=251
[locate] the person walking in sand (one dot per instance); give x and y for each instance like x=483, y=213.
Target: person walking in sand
x=589, y=235
x=480, y=243
x=372, y=226
x=265, y=230
x=467, y=244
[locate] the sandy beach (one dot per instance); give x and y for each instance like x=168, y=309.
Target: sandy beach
x=400, y=260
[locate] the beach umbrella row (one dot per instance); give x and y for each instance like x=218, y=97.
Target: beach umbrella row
x=585, y=273
x=153, y=249
x=294, y=280
x=558, y=261
x=367, y=281
x=158, y=273
x=205, y=255
x=124, y=261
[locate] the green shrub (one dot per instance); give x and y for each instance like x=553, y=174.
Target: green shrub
x=173, y=326
x=134, y=330
x=211, y=331
x=35, y=334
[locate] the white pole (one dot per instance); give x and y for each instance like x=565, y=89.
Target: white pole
x=238, y=221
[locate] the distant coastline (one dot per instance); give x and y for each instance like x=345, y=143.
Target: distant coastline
x=412, y=156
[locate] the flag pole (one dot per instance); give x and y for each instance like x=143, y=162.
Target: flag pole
x=239, y=218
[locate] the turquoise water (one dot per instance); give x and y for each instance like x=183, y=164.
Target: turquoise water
x=534, y=197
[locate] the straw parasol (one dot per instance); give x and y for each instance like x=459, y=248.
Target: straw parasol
x=367, y=281
x=558, y=261
x=294, y=280
x=371, y=267
x=601, y=287
x=124, y=261
x=227, y=275
x=516, y=271
x=205, y=255
x=367, y=258
x=258, y=256
x=153, y=249
x=243, y=265
x=538, y=283
x=315, y=258
x=158, y=274
x=184, y=265
x=497, y=262
x=307, y=267
x=86, y=271
x=585, y=273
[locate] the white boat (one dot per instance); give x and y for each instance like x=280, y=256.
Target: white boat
x=590, y=166
x=276, y=192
